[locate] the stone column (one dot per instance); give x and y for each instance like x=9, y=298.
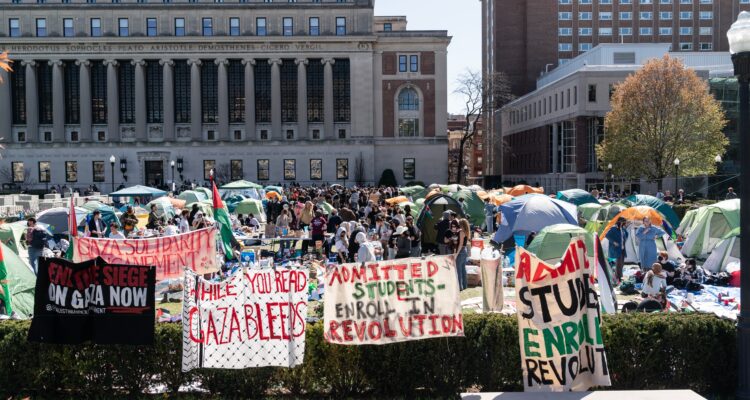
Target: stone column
x=276, y=99
x=32, y=105
x=302, y=99
x=84, y=87
x=223, y=99
x=113, y=102
x=6, y=113
x=196, y=119
x=140, y=100
x=168, y=98
x=249, y=98
x=328, y=98
x=58, y=102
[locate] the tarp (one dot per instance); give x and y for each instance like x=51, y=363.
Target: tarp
x=725, y=252
x=577, y=197
x=57, y=218
x=550, y=243
x=711, y=224
x=520, y=190
x=659, y=205
x=138, y=190
x=192, y=196
x=20, y=282
x=474, y=206
x=241, y=184
x=431, y=212
x=532, y=213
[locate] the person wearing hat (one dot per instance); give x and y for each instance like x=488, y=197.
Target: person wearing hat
x=617, y=236
x=402, y=242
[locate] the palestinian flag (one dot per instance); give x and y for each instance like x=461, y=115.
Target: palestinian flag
x=221, y=215
x=4, y=287
x=72, y=230
x=608, y=298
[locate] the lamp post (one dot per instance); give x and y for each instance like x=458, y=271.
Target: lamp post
x=466, y=175
x=609, y=173
x=124, y=168
x=112, y=160
x=739, y=45
x=676, y=175
x=718, y=161
x=180, y=168
x=171, y=164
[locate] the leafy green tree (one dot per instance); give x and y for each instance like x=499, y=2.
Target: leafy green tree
x=661, y=113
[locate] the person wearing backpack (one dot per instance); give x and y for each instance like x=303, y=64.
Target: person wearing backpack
x=36, y=238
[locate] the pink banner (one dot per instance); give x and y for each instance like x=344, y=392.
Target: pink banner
x=170, y=254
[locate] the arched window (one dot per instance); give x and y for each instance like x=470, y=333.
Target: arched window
x=408, y=112
x=408, y=100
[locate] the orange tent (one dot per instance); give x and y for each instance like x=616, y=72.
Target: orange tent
x=396, y=200
x=271, y=194
x=500, y=199
x=433, y=192
x=521, y=190
x=177, y=203
x=636, y=213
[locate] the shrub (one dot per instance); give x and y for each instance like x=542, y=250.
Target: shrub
x=657, y=351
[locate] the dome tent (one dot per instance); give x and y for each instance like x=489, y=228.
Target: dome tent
x=431, y=212
x=551, y=242
x=532, y=213
x=709, y=226
x=653, y=202
x=577, y=197
x=725, y=252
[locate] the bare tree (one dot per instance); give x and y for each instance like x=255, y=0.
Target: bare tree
x=222, y=173
x=359, y=170
x=482, y=95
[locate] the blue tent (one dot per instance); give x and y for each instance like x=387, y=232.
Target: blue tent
x=532, y=213
x=138, y=190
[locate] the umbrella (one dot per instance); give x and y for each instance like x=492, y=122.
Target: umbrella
x=577, y=197
x=532, y=213
x=138, y=190
x=521, y=190
x=192, y=196
x=57, y=218
x=241, y=184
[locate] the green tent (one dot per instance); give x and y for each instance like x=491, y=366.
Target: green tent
x=415, y=209
x=430, y=214
x=577, y=197
x=687, y=222
x=325, y=207
x=232, y=201
x=241, y=184
x=20, y=282
x=206, y=192
x=138, y=191
x=588, y=210
x=251, y=206
x=206, y=207
x=415, y=192
x=11, y=235
x=164, y=207
x=725, y=252
x=551, y=242
x=474, y=206
x=93, y=205
x=192, y=196
x=710, y=225
x=602, y=216
x=659, y=205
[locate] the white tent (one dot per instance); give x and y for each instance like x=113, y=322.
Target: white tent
x=665, y=243
x=726, y=252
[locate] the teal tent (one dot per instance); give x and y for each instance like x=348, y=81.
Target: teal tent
x=232, y=201
x=550, y=243
x=577, y=197
x=241, y=184
x=192, y=196
x=138, y=191
x=20, y=281
x=658, y=205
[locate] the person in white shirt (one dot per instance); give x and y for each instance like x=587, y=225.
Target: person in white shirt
x=654, y=282
x=253, y=223
x=184, y=224
x=171, y=229
x=366, y=252
x=342, y=244
x=115, y=233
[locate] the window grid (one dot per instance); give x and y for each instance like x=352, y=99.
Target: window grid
x=72, y=88
x=18, y=94
x=154, y=92
x=44, y=92
x=209, y=92
x=98, y=92
x=236, y=78
x=181, y=91
x=315, y=101
x=288, y=91
x=126, y=92
x=262, y=91
x=341, y=91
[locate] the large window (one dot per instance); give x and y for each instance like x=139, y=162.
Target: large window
x=14, y=27
x=19, y=172
x=408, y=112
x=342, y=168
x=44, y=92
x=236, y=78
x=41, y=27
x=260, y=26
x=402, y=67
x=126, y=92
x=234, y=26
x=408, y=100
x=314, y=26
x=208, y=26
x=262, y=92
x=18, y=95
x=179, y=26
x=68, y=30
x=154, y=92
x=44, y=172
x=96, y=27
x=98, y=170
x=151, y=27
x=568, y=146
x=408, y=127
x=235, y=170
x=181, y=92
x=263, y=172
x=123, y=27
x=340, y=26
x=288, y=25
x=290, y=170
x=208, y=166
x=315, y=96
x=209, y=92
x=288, y=91
x=341, y=91
x=316, y=169
x=410, y=168
x=71, y=171
x=98, y=92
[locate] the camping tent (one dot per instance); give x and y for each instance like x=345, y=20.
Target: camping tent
x=11, y=234
x=93, y=205
x=138, y=191
x=164, y=207
x=532, y=213
x=659, y=205
x=430, y=214
x=551, y=242
x=396, y=200
x=520, y=190
x=206, y=207
x=191, y=196
x=414, y=208
x=57, y=218
x=251, y=206
x=415, y=192
x=473, y=207
x=589, y=210
x=687, y=222
x=277, y=189
x=577, y=197
x=725, y=252
x=241, y=184
x=108, y=215
x=635, y=216
x=206, y=192
x=20, y=280
x=711, y=224
x=232, y=201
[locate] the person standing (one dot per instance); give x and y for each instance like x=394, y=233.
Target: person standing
x=646, y=236
x=128, y=221
x=402, y=242
x=415, y=235
x=443, y=226
x=36, y=238
x=617, y=237
x=730, y=194
x=461, y=233
x=96, y=225
x=489, y=215
x=366, y=251
x=184, y=224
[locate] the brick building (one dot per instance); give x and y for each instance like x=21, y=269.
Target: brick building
x=474, y=151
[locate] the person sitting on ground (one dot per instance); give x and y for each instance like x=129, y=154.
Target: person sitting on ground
x=252, y=222
x=654, y=283
x=668, y=266
x=171, y=229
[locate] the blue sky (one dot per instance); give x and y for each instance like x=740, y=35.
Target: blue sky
x=462, y=19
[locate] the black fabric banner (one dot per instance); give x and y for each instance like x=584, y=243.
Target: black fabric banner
x=93, y=300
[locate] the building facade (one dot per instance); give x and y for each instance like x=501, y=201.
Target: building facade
x=305, y=91
x=550, y=135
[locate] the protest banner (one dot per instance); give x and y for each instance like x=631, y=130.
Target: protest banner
x=170, y=254
x=492, y=284
x=94, y=300
x=256, y=318
x=558, y=322
x=392, y=301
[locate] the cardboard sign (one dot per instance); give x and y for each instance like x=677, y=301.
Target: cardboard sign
x=170, y=254
x=558, y=323
x=94, y=300
x=392, y=301
x=256, y=318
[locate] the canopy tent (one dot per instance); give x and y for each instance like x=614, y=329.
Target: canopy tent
x=164, y=207
x=577, y=197
x=635, y=214
x=21, y=282
x=138, y=190
x=206, y=207
x=57, y=218
x=473, y=206
x=551, y=242
x=397, y=200
x=725, y=252
x=430, y=214
x=241, y=184
x=520, y=190
x=192, y=196
x=532, y=213
x=11, y=234
x=251, y=206
x=711, y=224
x=589, y=210
x=659, y=205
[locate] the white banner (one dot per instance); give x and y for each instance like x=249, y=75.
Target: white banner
x=392, y=301
x=256, y=318
x=558, y=323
